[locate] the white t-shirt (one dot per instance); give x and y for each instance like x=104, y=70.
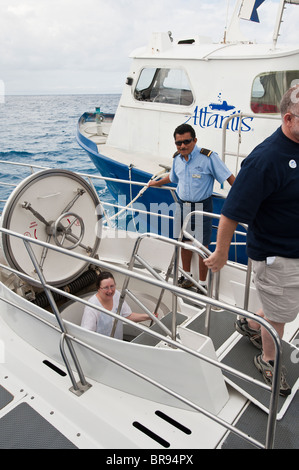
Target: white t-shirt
x=102, y=323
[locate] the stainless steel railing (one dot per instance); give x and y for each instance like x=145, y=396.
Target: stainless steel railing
x=173, y=289
x=237, y=154
x=159, y=282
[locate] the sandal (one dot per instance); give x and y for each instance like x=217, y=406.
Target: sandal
x=244, y=329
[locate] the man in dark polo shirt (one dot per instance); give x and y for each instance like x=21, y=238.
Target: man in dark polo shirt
x=265, y=195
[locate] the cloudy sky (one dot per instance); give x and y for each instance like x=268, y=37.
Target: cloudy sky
x=82, y=46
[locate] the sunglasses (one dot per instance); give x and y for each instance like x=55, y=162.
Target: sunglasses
x=178, y=143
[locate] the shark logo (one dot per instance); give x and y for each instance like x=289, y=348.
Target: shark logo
x=213, y=116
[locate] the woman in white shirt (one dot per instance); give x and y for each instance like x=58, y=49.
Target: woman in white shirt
x=108, y=297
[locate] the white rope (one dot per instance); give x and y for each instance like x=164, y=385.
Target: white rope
x=160, y=174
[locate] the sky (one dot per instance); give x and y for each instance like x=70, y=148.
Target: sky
x=83, y=46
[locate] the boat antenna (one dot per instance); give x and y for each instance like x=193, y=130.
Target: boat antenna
x=279, y=20
x=226, y=21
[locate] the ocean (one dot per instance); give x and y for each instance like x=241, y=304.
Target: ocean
x=41, y=130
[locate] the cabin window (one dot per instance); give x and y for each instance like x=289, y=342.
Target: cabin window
x=170, y=86
x=268, y=89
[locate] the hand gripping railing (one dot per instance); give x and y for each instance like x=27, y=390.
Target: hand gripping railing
x=205, y=253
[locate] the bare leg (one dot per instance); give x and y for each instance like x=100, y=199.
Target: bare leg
x=203, y=269
x=267, y=341
x=186, y=259
x=253, y=324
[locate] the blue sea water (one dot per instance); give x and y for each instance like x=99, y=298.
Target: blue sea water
x=41, y=130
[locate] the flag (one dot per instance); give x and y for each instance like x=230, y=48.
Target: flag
x=248, y=10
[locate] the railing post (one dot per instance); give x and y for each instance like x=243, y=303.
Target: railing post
x=125, y=286
x=75, y=388
x=209, y=306
x=57, y=315
x=174, y=297
x=271, y=424
x=247, y=285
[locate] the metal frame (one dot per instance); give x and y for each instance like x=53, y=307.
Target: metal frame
x=158, y=281
x=82, y=386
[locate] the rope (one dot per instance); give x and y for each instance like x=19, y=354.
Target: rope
x=160, y=174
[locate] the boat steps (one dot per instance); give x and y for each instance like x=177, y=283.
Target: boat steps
x=237, y=352
x=148, y=340
x=254, y=423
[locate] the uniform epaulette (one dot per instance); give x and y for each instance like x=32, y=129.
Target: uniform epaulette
x=206, y=152
x=176, y=154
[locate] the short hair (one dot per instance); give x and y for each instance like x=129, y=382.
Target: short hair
x=289, y=100
x=102, y=276
x=183, y=129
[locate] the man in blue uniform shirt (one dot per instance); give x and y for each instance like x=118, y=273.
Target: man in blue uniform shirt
x=265, y=196
x=194, y=170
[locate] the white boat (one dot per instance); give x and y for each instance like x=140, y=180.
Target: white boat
x=185, y=382
x=229, y=92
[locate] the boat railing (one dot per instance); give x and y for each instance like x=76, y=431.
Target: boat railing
x=174, y=268
x=240, y=116
x=119, y=209
x=204, y=252
x=80, y=387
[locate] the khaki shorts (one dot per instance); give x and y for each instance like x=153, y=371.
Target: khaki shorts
x=277, y=284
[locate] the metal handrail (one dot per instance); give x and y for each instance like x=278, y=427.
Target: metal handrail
x=241, y=116
x=58, y=318
x=178, y=291
x=103, y=204
x=203, y=251
x=86, y=175
x=135, y=256
x=206, y=413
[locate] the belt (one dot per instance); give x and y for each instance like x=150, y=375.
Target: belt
x=194, y=202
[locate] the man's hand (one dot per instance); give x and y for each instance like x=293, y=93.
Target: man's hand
x=215, y=261
x=218, y=259
x=161, y=182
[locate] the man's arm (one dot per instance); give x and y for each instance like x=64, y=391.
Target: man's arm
x=160, y=182
x=231, y=179
x=225, y=233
